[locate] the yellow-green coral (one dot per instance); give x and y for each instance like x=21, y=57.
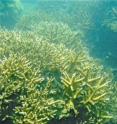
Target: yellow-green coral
x=15, y=75
x=59, y=33
x=57, y=83
x=21, y=101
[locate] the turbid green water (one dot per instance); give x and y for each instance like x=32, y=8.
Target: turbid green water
x=58, y=61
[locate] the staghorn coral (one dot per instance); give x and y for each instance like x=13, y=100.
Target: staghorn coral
x=15, y=76
x=21, y=101
x=40, y=52
x=75, y=84
x=113, y=103
x=84, y=94
x=37, y=107
x=28, y=21
x=58, y=32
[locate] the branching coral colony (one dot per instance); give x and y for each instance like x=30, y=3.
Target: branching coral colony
x=56, y=32
x=41, y=81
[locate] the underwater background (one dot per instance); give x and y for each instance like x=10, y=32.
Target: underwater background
x=66, y=42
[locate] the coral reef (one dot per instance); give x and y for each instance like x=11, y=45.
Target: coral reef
x=54, y=82
x=21, y=101
x=59, y=33
x=55, y=32
x=46, y=73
